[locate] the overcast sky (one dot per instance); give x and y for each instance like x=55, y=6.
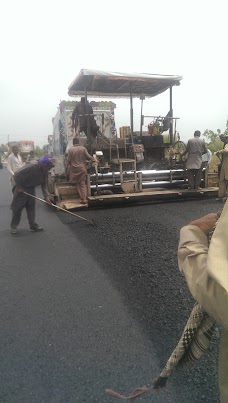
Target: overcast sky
x=44, y=45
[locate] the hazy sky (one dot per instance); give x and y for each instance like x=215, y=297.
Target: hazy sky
x=44, y=45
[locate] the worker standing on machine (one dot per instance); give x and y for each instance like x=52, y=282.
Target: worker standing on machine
x=83, y=120
x=195, y=149
x=77, y=156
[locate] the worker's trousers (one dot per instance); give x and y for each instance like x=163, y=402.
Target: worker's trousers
x=223, y=186
x=21, y=201
x=194, y=178
x=82, y=190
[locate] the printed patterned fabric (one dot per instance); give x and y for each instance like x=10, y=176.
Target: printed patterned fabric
x=194, y=342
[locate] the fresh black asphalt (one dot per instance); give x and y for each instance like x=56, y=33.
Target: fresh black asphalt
x=86, y=308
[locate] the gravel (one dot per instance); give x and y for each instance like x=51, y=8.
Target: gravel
x=136, y=248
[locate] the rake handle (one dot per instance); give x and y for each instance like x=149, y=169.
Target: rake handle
x=59, y=208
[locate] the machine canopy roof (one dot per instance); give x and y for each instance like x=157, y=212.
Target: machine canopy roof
x=104, y=83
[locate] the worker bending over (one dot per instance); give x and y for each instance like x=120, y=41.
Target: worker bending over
x=26, y=179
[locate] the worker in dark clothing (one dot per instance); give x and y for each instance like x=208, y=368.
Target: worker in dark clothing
x=26, y=179
x=195, y=149
x=83, y=119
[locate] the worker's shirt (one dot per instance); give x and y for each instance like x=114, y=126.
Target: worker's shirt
x=77, y=156
x=14, y=163
x=207, y=157
x=32, y=175
x=195, y=148
x=224, y=168
x=81, y=114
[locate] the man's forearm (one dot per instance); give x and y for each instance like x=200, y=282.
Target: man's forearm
x=193, y=262
x=9, y=168
x=44, y=190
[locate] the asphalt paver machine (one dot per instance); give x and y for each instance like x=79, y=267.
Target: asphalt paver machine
x=137, y=166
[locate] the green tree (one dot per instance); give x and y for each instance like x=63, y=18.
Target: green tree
x=213, y=140
x=211, y=135
x=39, y=152
x=45, y=149
x=216, y=145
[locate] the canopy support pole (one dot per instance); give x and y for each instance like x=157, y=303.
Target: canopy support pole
x=131, y=113
x=142, y=97
x=171, y=115
x=88, y=134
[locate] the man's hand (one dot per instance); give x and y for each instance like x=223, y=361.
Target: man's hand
x=48, y=200
x=206, y=223
x=19, y=189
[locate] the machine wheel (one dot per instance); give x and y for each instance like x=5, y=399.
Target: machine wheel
x=178, y=147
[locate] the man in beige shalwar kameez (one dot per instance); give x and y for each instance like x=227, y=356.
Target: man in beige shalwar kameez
x=206, y=272
x=223, y=177
x=77, y=157
x=205, y=266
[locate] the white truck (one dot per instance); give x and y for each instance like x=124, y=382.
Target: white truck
x=62, y=139
x=63, y=132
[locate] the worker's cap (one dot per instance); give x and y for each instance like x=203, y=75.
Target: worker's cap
x=47, y=161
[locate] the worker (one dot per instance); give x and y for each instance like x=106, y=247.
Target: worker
x=206, y=159
x=77, y=156
x=13, y=164
x=223, y=174
x=83, y=119
x=31, y=157
x=195, y=148
x=205, y=269
x=26, y=179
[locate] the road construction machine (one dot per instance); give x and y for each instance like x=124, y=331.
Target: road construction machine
x=134, y=166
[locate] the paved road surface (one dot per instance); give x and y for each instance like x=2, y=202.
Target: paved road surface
x=83, y=308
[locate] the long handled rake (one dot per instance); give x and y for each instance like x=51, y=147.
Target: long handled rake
x=60, y=208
